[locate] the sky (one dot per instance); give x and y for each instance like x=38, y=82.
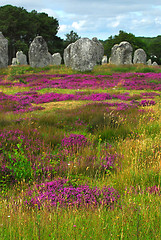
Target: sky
x=99, y=18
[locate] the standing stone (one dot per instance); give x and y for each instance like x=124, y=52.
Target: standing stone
x=67, y=55
x=104, y=60
x=99, y=50
x=56, y=59
x=21, y=58
x=139, y=56
x=14, y=62
x=121, y=53
x=38, y=53
x=3, y=51
x=154, y=64
x=149, y=62
x=82, y=55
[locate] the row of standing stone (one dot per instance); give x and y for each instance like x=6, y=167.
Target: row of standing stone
x=82, y=55
x=122, y=54
x=21, y=59
x=38, y=54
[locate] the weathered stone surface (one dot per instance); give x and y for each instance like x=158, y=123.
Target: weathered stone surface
x=82, y=55
x=14, y=62
x=3, y=51
x=154, y=64
x=104, y=60
x=99, y=50
x=38, y=53
x=121, y=53
x=56, y=59
x=139, y=56
x=149, y=62
x=20, y=59
x=67, y=55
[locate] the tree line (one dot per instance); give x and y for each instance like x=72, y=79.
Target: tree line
x=20, y=27
x=152, y=46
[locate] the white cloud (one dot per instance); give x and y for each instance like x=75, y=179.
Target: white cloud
x=63, y=28
x=50, y=12
x=79, y=25
x=99, y=18
x=158, y=20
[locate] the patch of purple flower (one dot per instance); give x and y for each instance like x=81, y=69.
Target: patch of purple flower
x=145, y=103
x=107, y=163
x=74, y=142
x=17, y=104
x=60, y=193
x=137, y=81
x=19, y=149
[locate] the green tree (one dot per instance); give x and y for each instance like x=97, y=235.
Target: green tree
x=21, y=27
x=123, y=36
x=155, y=49
x=71, y=38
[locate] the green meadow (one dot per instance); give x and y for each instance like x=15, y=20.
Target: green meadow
x=96, y=136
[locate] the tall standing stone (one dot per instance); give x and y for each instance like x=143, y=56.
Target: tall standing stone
x=38, y=53
x=139, y=56
x=83, y=55
x=68, y=55
x=121, y=53
x=99, y=50
x=3, y=51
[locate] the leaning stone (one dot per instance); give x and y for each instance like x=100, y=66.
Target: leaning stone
x=104, y=60
x=99, y=50
x=3, y=51
x=121, y=53
x=82, y=55
x=67, y=55
x=56, y=59
x=21, y=58
x=38, y=53
x=139, y=56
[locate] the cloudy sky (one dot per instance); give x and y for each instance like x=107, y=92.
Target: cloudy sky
x=99, y=18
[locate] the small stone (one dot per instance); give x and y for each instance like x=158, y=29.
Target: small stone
x=104, y=60
x=21, y=58
x=149, y=62
x=14, y=62
x=154, y=64
x=56, y=59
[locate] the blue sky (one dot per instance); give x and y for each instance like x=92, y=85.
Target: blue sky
x=99, y=18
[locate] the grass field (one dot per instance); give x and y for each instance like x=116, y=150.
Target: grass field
x=80, y=153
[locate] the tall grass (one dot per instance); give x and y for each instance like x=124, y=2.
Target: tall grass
x=88, y=144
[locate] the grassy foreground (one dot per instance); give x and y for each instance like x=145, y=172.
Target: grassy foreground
x=80, y=153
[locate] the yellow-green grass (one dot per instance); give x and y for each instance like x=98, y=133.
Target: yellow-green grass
x=138, y=216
